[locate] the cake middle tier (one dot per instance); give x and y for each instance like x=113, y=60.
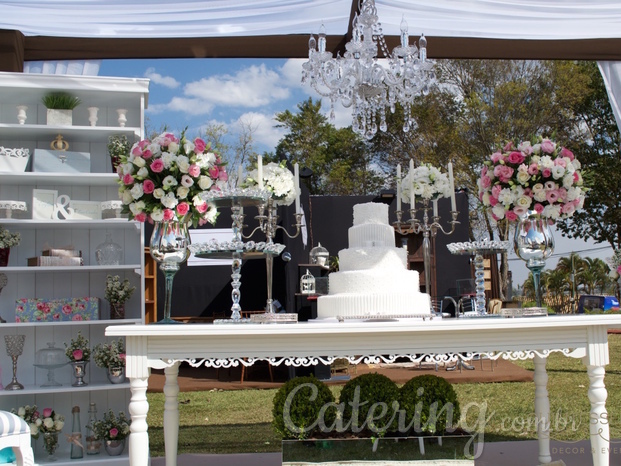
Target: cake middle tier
x=371, y=235
x=385, y=258
x=366, y=281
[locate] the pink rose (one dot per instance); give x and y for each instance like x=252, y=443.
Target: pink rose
x=157, y=166
x=77, y=317
x=552, y=196
x=199, y=146
x=147, y=154
x=546, y=173
x=567, y=153
x=496, y=156
x=56, y=316
x=576, y=177
x=183, y=208
x=168, y=215
x=114, y=432
x=619, y=270
x=194, y=170
x=141, y=217
x=496, y=190
x=538, y=208
x=148, y=186
x=528, y=192
x=560, y=162
x=503, y=173
x=547, y=146
x=493, y=201
x=202, y=208
x=77, y=354
x=516, y=157
x=568, y=209
x=66, y=309
x=223, y=175
x=511, y=216
x=128, y=179
x=533, y=169
x=508, y=146
x=122, y=356
x=486, y=182
x=562, y=194
x=47, y=412
x=213, y=172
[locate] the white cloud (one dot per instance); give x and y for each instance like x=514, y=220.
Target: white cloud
x=292, y=73
x=251, y=87
x=166, y=81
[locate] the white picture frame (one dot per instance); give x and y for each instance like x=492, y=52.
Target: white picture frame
x=85, y=210
x=43, y=203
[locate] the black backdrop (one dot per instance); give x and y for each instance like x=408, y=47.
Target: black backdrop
x=206, y=290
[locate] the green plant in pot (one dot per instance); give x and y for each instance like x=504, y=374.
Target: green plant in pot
x=60, y=107
x=118, y=145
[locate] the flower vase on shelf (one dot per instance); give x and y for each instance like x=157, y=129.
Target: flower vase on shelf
x=79, y=372
x=114, y=447
x=169, y=247
x=116, y=374
x=4, y=256
x=117, y=311
x=50, y=443
x=533, y=242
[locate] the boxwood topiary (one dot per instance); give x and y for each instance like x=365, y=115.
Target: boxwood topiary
x=303, y=406
x=368, y=402
x=428, y=404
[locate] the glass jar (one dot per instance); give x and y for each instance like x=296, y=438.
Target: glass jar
x=51, y=356
x=108, y=252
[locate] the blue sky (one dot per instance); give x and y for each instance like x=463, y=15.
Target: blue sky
x=195, y=92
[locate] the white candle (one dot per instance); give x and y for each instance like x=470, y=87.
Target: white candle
x=412, y=196
x=260, y=171
x=452, y=186
x=399, y=186
x=435, y=207
x=296, y=174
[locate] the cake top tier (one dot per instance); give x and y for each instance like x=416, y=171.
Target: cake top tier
x=370, y=212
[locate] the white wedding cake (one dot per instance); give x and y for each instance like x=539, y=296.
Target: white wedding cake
x=373, y=279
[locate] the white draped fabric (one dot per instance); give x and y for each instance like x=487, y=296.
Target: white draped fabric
x=611, y=72
x=500, y=19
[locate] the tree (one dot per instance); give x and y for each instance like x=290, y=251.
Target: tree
x=339, y=158
x=600, y=153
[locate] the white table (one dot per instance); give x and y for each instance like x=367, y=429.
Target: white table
x=308, y=343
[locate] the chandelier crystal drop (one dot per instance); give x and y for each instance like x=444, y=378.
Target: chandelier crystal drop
x=358, y=79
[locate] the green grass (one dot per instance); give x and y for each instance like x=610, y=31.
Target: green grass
x=239, y=421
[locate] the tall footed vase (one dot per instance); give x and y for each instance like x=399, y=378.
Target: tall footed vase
x=533, y=242
x=169, y=247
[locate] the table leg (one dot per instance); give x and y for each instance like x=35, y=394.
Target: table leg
x=171, y=414
x=542, y=409
x=138, y=409
x=598, y=418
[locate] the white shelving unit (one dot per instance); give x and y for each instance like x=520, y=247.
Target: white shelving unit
x=108, y=94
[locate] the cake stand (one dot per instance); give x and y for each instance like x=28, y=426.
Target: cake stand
x=478, y=249
x=235, y=199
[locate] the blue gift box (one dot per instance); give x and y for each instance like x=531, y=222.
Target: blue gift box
x=56, y=310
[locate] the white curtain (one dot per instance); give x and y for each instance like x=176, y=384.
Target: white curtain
x=611, y=72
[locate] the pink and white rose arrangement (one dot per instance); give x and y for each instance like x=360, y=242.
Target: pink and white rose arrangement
x=538, y=175
x=112, y=427
x=162, y=179
x=47, y=421
x=78, y=350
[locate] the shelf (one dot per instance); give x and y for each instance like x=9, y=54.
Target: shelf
x=71, y=224
x=72, y=323
x=91, y=387
x=77, y=268
x=71, y=134
x=50, y=179
x=102, y=458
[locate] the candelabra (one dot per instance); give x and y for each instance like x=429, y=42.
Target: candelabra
x=268, y=224
x=428, y=229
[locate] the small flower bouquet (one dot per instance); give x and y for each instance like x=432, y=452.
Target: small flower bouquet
x=615, y=264
x=162, y=179
x=107, y=355
x=78, y=350
x=428, y=182
x=117, y=291
x=118, y=145
x=278, y=180
x=112, y=427
x=47, y=422
x=537, y=175
x=8, y=239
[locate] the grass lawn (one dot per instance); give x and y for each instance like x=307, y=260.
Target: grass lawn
x=239, y=421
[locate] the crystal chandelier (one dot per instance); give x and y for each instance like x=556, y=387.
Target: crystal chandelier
x=359, y=81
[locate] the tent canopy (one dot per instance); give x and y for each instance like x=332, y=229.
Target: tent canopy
x=99, y=29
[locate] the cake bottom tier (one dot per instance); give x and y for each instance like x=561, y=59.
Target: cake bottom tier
x=373, y=304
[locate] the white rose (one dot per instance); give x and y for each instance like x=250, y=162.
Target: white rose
x=143, y=172
x=21, y=412
x=169, y=182
x=523, y=177
x=524, y=201
x=173, y=147
x=499, y=211
x=158, y=193
x=188, y=147
x=169, y=201
x=34, y=430
x=127, y=197
x=137, y=191
x=157, y=215
x=58, y=425
x=38, y=422
x=48, y=423
x=136, y=207
x=205, y=182
x=139, y=162
x=183, y=163
x=182, y=192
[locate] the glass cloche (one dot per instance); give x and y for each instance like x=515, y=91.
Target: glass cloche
x=50, y=358
x=319, y=255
